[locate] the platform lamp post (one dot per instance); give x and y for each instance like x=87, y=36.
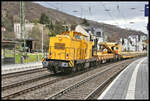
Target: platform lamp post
x=42, y=39
x=22, y=24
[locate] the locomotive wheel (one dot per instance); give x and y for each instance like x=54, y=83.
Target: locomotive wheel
x=80, y=67
x=102, y=61
x=53, y=69
x=99, y=62
x=74, y=69
x=83, y=66
x=95, y=63
x=77, y=67
x=90, y=64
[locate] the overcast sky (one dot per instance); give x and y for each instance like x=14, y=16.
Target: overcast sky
x=123, y=14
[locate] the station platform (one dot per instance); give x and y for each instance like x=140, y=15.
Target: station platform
x=131, y=83
x=5, y=69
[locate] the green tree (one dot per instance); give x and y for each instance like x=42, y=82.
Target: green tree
x=36, y=21
x=7, y=22
x=44, y=19
x=85, y=22
x=51, y=26
x=58, y=27
x=73, y=26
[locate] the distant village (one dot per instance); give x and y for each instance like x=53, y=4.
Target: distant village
x=131, y=43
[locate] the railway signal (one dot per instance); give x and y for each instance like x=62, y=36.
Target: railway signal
x=3, y=30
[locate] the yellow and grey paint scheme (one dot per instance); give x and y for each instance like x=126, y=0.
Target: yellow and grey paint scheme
x=71, y=63
x=71, y=48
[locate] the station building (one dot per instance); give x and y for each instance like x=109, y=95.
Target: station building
x=30, y=42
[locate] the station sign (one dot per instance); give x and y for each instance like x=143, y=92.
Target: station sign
x=146, y=10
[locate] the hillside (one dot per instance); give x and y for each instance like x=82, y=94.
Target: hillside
x=33, y=11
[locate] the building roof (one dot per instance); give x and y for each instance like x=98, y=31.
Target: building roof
x=29, y=39
x=9, y=43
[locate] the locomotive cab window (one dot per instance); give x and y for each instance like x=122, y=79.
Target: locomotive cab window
x=78, y=37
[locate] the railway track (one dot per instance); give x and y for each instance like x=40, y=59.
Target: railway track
x=40, y=85
x=81, y=89
x=37, y=86
x=33, y=80
x=97, y=91
x=20, y=73
x=25, y=82
x=20, y=92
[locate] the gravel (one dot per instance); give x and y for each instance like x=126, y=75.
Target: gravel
x=51, y=89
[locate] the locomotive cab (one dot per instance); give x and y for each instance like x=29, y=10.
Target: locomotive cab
x=66, y=50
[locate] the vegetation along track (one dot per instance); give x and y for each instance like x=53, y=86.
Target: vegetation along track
x=38, y=86
x=85, y=88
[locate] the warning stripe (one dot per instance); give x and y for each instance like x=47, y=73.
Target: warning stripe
x=71, y=63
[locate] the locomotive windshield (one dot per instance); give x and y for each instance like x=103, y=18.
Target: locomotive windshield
x=78, y=37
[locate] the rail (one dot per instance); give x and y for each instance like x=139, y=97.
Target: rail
x=66, y=90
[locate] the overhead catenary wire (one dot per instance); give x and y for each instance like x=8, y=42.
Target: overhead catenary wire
x=109, y=13
x=89, y=10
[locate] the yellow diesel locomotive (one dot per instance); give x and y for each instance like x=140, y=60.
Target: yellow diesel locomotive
x=69, y=51
x=72, y=51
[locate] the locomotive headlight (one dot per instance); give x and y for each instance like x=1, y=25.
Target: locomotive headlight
x=60, y=38
x=67, y=56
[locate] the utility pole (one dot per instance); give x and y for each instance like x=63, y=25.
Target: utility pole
x=136, y=43
x=81, y=12
x=22, y=24
x=42, y=39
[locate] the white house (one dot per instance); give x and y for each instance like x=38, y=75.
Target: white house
x=133, y=43
x=94, y=33
x=28, y=28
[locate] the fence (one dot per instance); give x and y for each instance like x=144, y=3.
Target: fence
x=30, y=57
x=18, y=57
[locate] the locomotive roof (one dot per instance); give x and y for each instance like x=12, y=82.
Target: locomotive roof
x=77, y=33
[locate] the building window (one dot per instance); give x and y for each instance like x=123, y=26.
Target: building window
x=98, y=34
